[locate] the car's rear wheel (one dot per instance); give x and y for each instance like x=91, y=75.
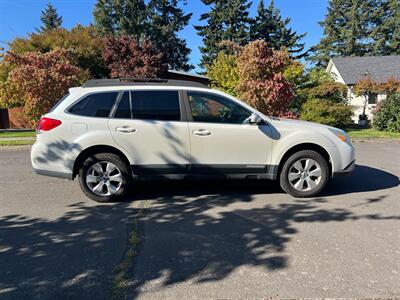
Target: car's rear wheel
x=104, y=177
x=304, y=174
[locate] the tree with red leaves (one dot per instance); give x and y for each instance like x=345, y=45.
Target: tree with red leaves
x=38, y=80
x=126, y=58
x=261, y=79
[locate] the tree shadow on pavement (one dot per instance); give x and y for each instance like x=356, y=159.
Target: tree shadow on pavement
x=67, y=258
x=203, y=231
x=363, y=179
x=198, y=230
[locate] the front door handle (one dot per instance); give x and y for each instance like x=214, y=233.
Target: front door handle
x=126, y=129
x=202, y=132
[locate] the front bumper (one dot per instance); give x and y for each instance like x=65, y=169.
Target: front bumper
x=346, y=171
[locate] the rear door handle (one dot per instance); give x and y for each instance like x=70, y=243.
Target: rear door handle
x=126, y=129
x=202, y=132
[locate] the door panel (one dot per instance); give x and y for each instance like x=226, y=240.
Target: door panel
x=148, y=125
x=221, y=138
x=230, y=146
x=158, y=144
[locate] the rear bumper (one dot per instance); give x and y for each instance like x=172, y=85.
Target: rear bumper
x=50, y=161
x=53, y=174
x=346, y=171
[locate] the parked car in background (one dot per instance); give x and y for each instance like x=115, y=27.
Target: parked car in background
x=110, y=133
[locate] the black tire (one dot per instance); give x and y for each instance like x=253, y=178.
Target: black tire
x=284, y=175
x=119, y=163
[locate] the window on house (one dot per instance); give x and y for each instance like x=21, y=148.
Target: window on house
x=372, y=98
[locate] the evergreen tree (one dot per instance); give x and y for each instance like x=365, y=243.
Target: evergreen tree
x=386, y=28
x=121, y=17
x=237, y=20
x=228, y=20
x=50, y=19
x=347, y=29
x=157, y=22
x=269, y=26
x=394, y=23
x=166, y=19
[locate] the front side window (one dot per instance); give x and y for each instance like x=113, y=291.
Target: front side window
x=95, y=105
x=209, y=108
x=156, y=105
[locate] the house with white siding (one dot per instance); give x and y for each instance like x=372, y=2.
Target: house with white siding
x=349, y=70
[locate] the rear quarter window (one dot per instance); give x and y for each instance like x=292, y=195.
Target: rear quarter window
x=94, y=105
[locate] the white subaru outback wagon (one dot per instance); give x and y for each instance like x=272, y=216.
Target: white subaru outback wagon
x=111, y=132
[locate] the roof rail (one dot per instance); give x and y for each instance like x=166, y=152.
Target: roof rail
x=143, y=80
x=127, y=81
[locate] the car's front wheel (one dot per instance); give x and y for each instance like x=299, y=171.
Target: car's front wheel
x=104, y=177
x=304, y=174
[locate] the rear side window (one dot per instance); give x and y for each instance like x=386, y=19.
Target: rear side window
x=156, y=105
x=124, y=108
x=95, y=105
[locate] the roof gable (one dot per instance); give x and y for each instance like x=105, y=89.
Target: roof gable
x=380, y=68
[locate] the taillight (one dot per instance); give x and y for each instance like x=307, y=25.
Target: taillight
x=46, y=124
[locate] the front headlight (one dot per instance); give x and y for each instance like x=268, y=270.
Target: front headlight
x=341, y=134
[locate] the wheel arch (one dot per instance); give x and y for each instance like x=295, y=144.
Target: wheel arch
x=305, y=146
x=95, y=150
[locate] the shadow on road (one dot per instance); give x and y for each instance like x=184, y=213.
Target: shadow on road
x=363, y=179
x=198, y=230
x=202, y=231
x=66, y=258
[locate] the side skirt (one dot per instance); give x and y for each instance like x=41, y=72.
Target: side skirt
x=205, y=171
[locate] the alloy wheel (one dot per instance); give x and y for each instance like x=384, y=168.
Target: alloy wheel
x=104, y=178
x=305, y=174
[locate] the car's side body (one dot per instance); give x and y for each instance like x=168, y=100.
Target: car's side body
x=182, y=147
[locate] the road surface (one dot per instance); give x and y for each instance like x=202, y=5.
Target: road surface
x=202, y=239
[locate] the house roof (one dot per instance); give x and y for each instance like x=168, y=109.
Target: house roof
x=187, y=74
x=380, y=68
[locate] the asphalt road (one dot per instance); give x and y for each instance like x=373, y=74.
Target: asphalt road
x=202, y=239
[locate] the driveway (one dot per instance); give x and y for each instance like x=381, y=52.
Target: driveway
x=202, y=239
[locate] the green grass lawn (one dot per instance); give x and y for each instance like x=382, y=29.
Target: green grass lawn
x=17, y=134
x=371, y=133
x=16, y=142
x=7, y=138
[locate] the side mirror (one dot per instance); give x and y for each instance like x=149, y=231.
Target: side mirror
x=255, y=119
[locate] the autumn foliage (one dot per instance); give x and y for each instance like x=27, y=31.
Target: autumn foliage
x=224, y=73
x=83, y=43
x=366, y=86
x=124, y=57
x=391, y=86
x=38, y=80
x=334, y=91
x=261, y=79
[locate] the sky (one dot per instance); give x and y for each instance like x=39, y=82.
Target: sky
x=20, y=17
